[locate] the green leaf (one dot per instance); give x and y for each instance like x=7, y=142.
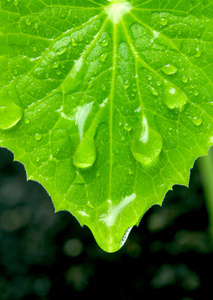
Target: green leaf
x=106, y=103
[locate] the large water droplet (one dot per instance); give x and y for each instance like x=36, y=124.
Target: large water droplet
x=147, y=144
x=85, y=154
x=10, y=115
x=169, y=69
x=174, y=97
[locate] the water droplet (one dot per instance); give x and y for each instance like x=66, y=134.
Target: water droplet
x=149, y=77
x=37, y=159
x=58, y=72
x=196, y=93
x=10, y=115
x=146, y=145
x=105, y=43
x=198, y=54
x=55, y=64
x=174, y=97
x=27, y=121
x=103, y=57
x=16, y=3
x=38, y=136
x=90, y=204
x=153, y=91
x=158, y=83
x=127, y=127
x=163, y=21
x=125, y=237
x=126, y=84
x=61, y=51
x=197, y=121
x=28, y=22
x=103, y=87
x=185, y=79
x=74, y=43
x=85, y=154
x=169, y=69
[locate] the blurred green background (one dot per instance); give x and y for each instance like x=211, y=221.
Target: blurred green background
x=47, y=256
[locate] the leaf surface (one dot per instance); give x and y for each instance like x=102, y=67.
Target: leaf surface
x=106, y=103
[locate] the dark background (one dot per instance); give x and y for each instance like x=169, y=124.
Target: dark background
x=46, y=256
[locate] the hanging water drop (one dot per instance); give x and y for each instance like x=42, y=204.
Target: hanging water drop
x=85, y=154
x=169, y=69
x=174, y=97
x=146, y=145
x=10, y=115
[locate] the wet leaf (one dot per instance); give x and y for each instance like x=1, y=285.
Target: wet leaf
x=106, y=103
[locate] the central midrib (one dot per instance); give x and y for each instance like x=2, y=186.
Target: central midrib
x=111, y=105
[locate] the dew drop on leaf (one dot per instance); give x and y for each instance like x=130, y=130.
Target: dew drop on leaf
x=146, y=145
x=38, y=136
x=105, y=43
x=197, y=121
x=10, y=115
x=28, y=22
x=85, y=154
x=169, y=69
x=185, y=79
x=61, y=51
x=126, y=85
x=74, y=43
x=198, y=53
x=154, y=91
x=174, y=97
x=103, y=57
x=27, y=121
x=163, y=21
